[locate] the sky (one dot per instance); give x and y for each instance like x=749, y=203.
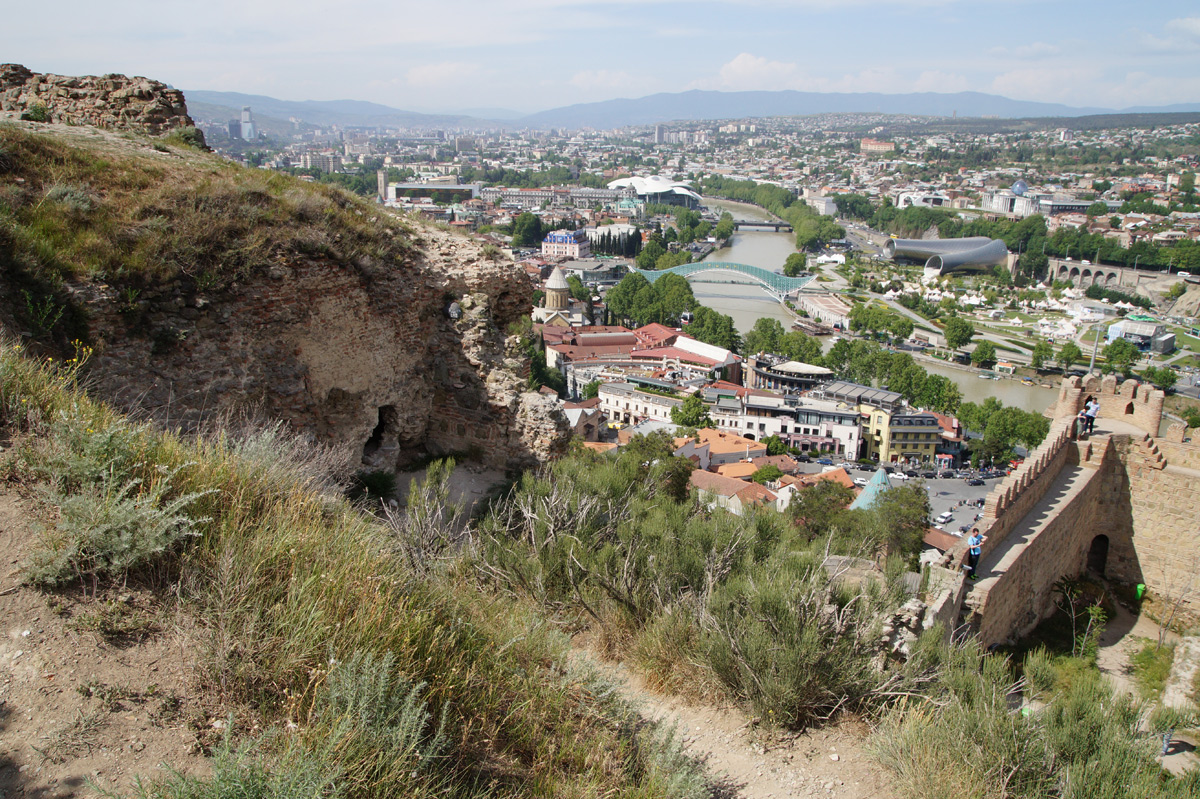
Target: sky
x=530, y=55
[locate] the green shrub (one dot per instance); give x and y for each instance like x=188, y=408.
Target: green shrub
x=111, y=528
x=187, y=137
x=1040, y=671
x=1151, y=666
x=968, y=741
x=37, y=112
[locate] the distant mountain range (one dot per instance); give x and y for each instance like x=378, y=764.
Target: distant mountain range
x=656, y=108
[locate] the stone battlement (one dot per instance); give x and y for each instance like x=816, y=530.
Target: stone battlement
x=1129, y=401
x=109, y=101
x=1009, y=501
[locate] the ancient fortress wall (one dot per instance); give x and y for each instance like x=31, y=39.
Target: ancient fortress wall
x=1123, y=500
x=358, y=355
x=1163, y=516
x=109, y=101
x=1137, y=403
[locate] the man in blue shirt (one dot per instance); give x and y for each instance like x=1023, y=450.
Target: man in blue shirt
x=975, y=549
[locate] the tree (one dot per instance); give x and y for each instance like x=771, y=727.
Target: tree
x=1068, y=355
x=1120, y=356
x=795, y=264
x=1096, y=209
x=714, y=328
x=775, y=445
x=527, y=231
x=767, y=474
x=800, y=347
x=985, y=352
x=1163, y=377
x=590, y=390
x=764, y=336
x=1042, y=351
x=692, y=413
x=958, y=332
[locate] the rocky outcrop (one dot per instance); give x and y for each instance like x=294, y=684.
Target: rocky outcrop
x=109, y=101
x=365, y=354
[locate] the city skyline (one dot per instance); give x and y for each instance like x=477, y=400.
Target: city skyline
x=538, y=54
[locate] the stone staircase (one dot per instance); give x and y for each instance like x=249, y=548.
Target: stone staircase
x=1149, y=449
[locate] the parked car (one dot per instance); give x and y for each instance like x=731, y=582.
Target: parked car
x=975, y=481
x=947, y=474
x=825, y=461
x=945, y=517
x=860, y=481
x=929, y=475
x=803, y=459
x=911, y=473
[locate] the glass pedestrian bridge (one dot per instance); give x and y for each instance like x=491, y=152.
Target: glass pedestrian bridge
x=776, y=284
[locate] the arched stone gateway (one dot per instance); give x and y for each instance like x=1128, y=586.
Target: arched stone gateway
x=1074, y=274
x=1097, y=557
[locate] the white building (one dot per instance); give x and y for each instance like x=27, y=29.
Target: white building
x=567, y=243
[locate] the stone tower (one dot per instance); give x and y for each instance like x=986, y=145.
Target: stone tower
x=558, y=292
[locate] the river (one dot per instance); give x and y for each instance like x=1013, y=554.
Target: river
x=747, y=303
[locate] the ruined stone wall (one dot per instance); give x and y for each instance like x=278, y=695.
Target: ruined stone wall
x=351, y=354
x=1024, y=595
x=1163, y=550
x=108, y=101
x=1016, y=495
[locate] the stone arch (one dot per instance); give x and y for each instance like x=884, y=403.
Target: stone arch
x=383, y=447
x=1114, y=279
x=1086, y=278
x=1063, y=272
x=1074, y=274
x=1097, y=557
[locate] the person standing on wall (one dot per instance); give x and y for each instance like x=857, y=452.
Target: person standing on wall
x=975, y=549
x=1090, y=409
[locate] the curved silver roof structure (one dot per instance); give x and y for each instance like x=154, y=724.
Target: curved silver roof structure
x=974, y=254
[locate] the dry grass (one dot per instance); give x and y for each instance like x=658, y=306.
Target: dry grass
x=75, y=739
x=285, y=579
x=120, y=210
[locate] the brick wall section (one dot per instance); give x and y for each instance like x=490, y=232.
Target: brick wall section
x=1009, y=501
x=324, y=346
x=1024, y=595
x=1163, y=515
x=108, y=101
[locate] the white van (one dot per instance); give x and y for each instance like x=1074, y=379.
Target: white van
x=945, y=517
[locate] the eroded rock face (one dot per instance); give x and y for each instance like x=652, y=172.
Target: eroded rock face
x=109, y=101
x=363, y=354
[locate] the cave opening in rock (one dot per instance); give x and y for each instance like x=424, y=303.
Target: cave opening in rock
x=384, y=436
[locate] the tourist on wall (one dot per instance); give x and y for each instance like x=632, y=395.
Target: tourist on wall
x=975, y=549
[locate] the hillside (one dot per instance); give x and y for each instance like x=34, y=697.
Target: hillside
x=207, y=288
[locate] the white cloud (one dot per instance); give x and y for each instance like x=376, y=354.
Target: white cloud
x=747, y=72
x=1181, y=35
x=441, y=74
x=593, y=80
x=938, y=81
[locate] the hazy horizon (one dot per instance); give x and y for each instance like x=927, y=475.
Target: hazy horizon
x=533, y=55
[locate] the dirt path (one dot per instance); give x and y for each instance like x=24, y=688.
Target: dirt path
x=757, y=764
x=75, y=707
x=1123, y=636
